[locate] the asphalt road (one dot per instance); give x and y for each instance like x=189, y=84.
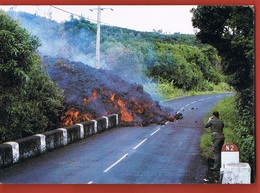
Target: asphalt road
x=156, y=154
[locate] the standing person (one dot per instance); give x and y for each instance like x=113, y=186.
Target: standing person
x=216, y=126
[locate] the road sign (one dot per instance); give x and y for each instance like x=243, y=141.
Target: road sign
x=229, y=154
x=229, y=147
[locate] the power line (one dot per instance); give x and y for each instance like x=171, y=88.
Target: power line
x=81, y=16
x=99, y=9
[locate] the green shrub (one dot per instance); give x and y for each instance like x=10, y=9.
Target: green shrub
x=32, y=102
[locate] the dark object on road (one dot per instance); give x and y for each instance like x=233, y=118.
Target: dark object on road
x=178, y=116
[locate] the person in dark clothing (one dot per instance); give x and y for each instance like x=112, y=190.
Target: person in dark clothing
x=216, y=126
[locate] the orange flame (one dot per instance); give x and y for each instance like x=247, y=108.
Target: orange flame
x=112, y=97
x=126, y=116
x=72, y=117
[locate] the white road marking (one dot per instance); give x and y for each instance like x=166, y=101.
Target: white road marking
x=165, y=123
x=155, y=132
x=90, y=182
x=140, y=143
x=114, y=164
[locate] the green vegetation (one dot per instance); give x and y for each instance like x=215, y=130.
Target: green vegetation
x=227, y=110
x=186, y=67
x=230, y=29
x=167, y=91
x=232, y=130
x=29, y=101
x=136, y=56
x=176, y=64
x=219, y=58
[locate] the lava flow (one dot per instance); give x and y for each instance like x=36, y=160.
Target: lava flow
x=91, y=93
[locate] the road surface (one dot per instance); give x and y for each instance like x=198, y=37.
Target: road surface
x=156, y=154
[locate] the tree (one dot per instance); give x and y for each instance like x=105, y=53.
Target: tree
x=230, y=29
x=29, y=101
x=187, y=67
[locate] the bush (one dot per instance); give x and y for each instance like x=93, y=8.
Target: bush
x=167, y=90
x=32, y=102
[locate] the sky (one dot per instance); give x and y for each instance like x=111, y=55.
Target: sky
x=168, y=18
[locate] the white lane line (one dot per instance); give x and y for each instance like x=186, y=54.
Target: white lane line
x=90, y=182
x=181, y=108
x=165, y=123
x=140, y=143
x=193, y=102
x=114, y=164
x=201, y=99
x=155, y=132
x=209, y=98
x=187, y=105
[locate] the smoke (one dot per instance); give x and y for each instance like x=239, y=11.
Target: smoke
x=77, y=43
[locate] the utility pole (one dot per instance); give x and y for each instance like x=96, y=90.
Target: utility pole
x=99, y=9
x=98, y=38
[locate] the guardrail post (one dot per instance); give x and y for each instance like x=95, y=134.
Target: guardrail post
x=43, y=142
x=95, y=125
x=81, y=130
x=65, y=136
x=106, y=121
x=15, y=150
x=117, y=121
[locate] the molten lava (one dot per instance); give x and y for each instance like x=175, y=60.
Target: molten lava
x=73, y=116
x=125, y=115
x=91, y=93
